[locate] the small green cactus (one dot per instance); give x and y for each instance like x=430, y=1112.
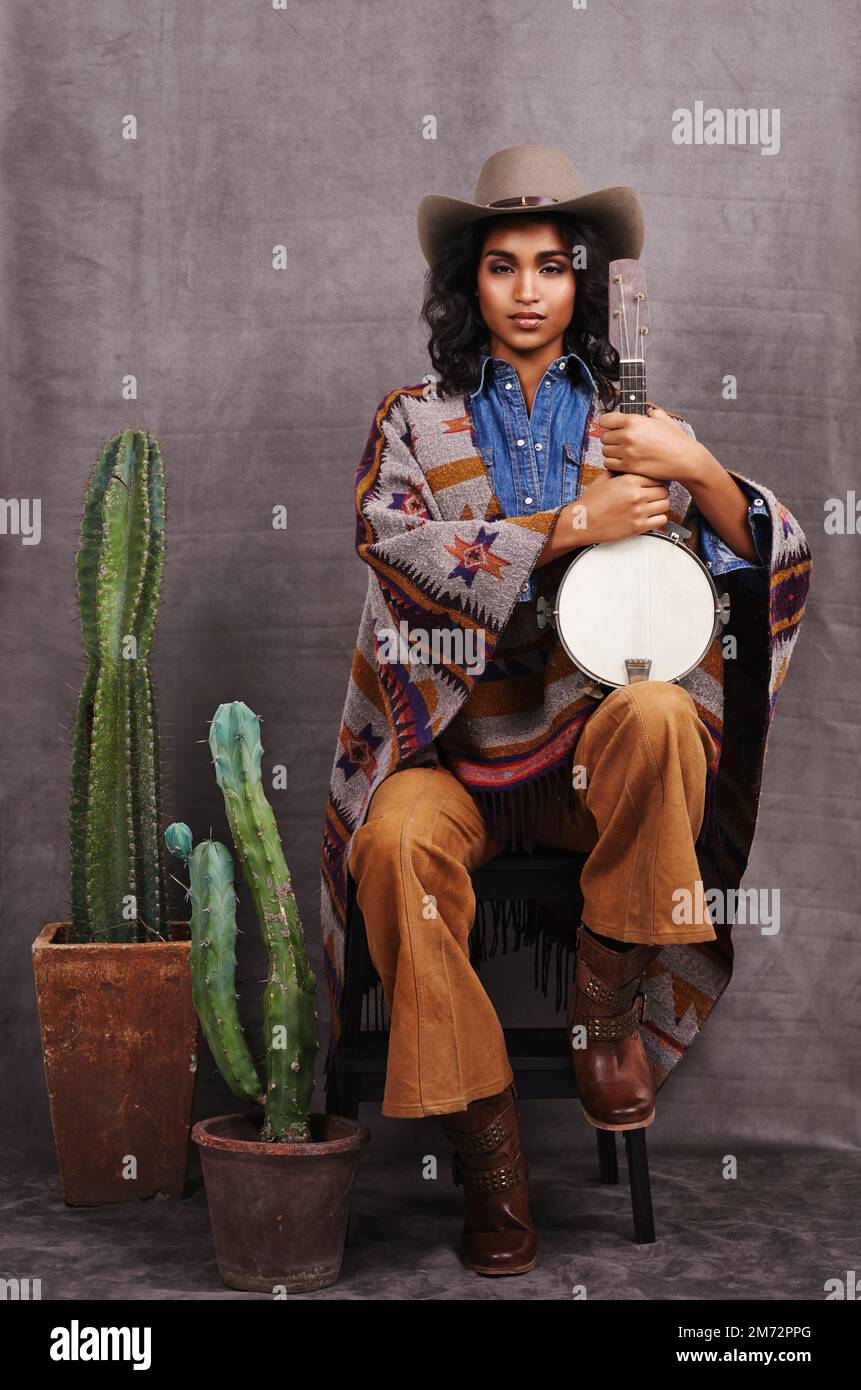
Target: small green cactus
x=213, y=958
x=289, y=1001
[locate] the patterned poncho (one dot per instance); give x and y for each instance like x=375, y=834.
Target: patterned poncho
x=444, y=560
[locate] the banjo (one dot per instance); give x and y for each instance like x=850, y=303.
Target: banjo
x=646, y=607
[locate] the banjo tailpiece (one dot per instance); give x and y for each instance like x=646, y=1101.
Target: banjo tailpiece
x=638, y=668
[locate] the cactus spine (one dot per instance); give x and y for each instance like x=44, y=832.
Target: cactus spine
x=213, y=958
x=117, y=863
x=289, y=1002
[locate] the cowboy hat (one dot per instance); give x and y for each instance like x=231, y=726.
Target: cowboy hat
x=525, y=179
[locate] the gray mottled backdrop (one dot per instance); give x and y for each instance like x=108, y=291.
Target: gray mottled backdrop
x=308, y=128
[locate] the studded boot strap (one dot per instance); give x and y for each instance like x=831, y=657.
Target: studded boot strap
x=482, y=1141
x=500, y=1179
x=613, y=1028
x=628, y=1002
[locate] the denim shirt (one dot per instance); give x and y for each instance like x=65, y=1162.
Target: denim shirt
x=533, y=460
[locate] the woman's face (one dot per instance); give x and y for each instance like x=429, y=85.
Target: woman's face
x=525, y=268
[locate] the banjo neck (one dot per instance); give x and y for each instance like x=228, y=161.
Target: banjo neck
x=632, y=385
x=629, y=329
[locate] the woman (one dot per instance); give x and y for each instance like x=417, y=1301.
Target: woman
x=471, y=499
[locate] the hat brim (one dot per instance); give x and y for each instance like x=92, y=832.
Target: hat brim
x=617, y=213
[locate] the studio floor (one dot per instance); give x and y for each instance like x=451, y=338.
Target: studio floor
x=778, y=1231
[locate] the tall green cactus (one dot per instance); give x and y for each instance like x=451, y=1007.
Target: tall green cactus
x=118, y=888
x=213, y=958
x=289, y=1001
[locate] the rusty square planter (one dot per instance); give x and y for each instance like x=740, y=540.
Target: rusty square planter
x=120, y=1043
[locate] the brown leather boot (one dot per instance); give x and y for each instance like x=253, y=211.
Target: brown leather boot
x=498, y=1234
x=614, y=1078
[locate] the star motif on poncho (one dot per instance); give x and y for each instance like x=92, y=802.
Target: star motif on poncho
x=476, y=555
x=412, y=504
x=358, y=752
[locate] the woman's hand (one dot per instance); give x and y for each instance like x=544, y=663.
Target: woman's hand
x=610, y=509
x=651, y=446
x=615, y=507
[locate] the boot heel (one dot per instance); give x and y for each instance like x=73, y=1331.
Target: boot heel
x=633, y=1124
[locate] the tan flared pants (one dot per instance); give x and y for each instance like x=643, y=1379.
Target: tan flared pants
x=644, y=750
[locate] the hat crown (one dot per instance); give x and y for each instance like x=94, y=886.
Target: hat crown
x=527, y=171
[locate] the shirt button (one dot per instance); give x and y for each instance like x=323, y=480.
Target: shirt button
x=758, y=502
x=528, y=501
x=538, y=446
x=508, y=385
x=561, y=364
x=521, y=442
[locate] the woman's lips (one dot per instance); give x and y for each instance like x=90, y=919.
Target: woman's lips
x=526, y=321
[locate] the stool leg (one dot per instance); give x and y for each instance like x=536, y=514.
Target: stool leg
x=349, y=1098
x=608, y=1168
x=342, y=1094
x=641, y=1190
x=333, y=1093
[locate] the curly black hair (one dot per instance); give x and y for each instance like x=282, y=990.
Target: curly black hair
x=459, y=334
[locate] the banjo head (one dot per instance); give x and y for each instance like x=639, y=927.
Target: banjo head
x=645, y=596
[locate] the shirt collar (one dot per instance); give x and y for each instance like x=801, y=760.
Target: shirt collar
x=562, y=369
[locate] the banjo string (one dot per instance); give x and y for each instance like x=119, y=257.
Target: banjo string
x=643, y=625
x=645, y=549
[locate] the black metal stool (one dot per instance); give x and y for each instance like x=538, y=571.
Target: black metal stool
x=539, y=1057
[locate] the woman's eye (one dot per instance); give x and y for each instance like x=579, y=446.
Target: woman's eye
x=502, y=266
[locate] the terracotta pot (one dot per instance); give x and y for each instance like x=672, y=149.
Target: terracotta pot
x=120, y=1047
x=279, y=1211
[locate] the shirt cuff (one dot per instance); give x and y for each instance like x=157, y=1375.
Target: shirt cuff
x=718, y=556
